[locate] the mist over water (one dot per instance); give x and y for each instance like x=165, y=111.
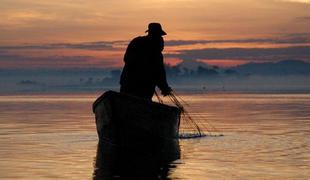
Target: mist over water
x=283, y=76
x=265, y=137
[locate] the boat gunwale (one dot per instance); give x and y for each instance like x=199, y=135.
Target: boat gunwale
x=152, y=103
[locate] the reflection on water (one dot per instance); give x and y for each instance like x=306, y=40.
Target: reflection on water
x=129, y=163
x=54, y=137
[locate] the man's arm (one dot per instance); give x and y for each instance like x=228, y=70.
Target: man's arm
x=162, y=79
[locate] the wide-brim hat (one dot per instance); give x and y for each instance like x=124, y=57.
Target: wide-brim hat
x=155, y=28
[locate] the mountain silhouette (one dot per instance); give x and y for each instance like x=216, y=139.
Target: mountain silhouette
x=192, y=64
x=285, y=67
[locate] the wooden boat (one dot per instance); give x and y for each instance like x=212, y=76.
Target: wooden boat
x=133, y=123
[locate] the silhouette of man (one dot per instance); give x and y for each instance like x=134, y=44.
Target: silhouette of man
x=144, y=66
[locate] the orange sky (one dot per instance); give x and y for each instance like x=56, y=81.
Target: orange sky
x=40, y=23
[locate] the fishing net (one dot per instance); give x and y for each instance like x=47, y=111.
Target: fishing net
x=191, y=127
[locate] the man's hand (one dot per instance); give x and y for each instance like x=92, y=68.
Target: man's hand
x=166, y=91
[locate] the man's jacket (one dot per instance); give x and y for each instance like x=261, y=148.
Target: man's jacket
x=144, y=67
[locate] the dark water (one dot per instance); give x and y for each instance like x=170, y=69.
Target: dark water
x=266, y=136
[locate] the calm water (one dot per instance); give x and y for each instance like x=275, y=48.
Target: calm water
x=266, y=137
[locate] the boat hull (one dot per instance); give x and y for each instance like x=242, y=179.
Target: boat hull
x=130, y=122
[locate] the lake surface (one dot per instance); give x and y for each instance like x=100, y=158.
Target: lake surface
x=266, y=136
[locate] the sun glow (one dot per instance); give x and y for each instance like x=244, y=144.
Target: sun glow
x=71, y=34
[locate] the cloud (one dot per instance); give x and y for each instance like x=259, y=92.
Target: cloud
x=11, y=57
x=285, y=39
x=185, y=42
x=302, y=52
x=297, y=1
x=100, y=45
x=121, y=44
x=18, y=61
x=303, y=18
